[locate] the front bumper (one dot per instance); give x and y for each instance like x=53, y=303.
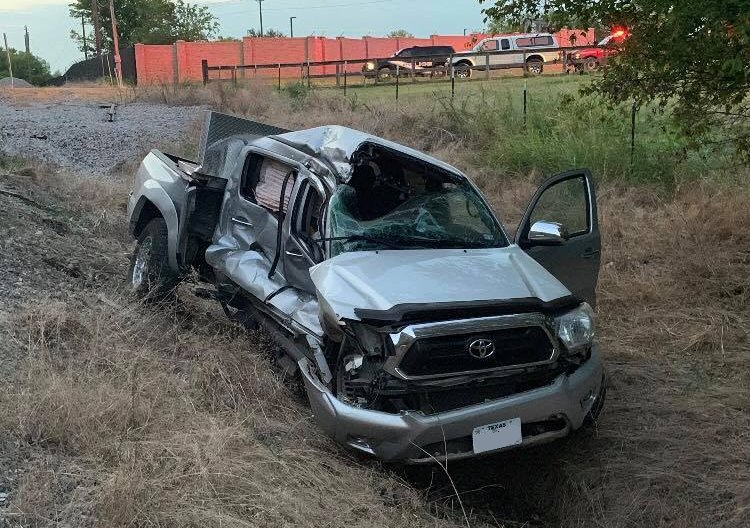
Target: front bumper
x=549, y=412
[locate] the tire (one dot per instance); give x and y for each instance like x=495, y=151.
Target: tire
x=534, y=66
x=384, y=73
x=150, y=276
x=462, y=71
x=596, y=409
x=591, y=64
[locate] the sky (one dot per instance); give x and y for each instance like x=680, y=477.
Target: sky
x=49, y=22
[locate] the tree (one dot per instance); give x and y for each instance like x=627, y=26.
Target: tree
x=400, y=33
x=147, y=21
x=691, y=57
x=26, y=66
x=270, y=33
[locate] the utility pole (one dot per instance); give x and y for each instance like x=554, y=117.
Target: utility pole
x=116, y=44
x=291, y=26
x=260, y=11
x=97, y=27
x=10, y=63
x=26, y=39
x=85, y=46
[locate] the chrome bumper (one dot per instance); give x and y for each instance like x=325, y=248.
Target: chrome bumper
x=401, y=437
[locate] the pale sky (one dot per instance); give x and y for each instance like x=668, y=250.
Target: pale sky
x=49, y=23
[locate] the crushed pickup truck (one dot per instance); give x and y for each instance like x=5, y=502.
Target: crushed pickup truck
x=420, y=329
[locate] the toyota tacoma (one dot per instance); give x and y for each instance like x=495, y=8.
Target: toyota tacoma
x=421, y=330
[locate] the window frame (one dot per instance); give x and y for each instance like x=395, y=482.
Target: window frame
x=262, y=156
x=587, y=204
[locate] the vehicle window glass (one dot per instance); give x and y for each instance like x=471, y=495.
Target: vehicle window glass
x=490, y=45
x=505, y=44
x=397, y=203
x=566, y=202
x=307, y=220
x=262, y=182
x=405, y=53
x=543, y=41
x=523, y=42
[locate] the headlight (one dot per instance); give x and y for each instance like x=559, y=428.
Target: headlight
x=576, y=55
x=576, y=328
x=370, y=65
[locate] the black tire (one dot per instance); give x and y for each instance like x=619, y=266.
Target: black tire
x=150, y=276
x=462, y=71
x=596, y=409
x=534, y=66
x=385, y=73
x=591, y=64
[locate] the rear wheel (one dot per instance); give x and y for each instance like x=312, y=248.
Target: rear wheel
x=534, y=66
x=150, y=275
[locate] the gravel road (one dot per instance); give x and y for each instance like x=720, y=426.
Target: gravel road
x=77, y=135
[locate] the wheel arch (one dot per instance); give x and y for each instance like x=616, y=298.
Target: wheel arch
x=154, y=202
x=535, y=58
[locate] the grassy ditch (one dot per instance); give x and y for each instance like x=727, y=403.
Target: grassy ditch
x=126, y=415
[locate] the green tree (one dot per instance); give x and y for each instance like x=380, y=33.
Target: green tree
x=400, y=33
x=691, y=57
x=26, y=66
x=146, y=22
x=269, y=33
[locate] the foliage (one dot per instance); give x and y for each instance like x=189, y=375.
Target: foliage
x=400, y=33
x=692, y=56
x=269, y=33
x=146, y=22
x=26, y=66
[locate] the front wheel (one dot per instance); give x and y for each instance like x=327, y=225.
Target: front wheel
x=150, y=275
x=591, y=64
x=384, y=73
x=534, y=66
x=462, y=71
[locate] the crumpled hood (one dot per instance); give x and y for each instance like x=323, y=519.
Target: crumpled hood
x=380, y=280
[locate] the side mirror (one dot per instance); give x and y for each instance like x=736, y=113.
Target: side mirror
x=543, y=233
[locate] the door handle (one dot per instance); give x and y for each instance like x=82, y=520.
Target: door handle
x=589, y=252
x=292, y=254
x=241, y=222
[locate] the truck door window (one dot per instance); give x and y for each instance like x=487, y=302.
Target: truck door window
x=307, y=226
x=566, y=203
x=262, y=181
x=505, y=44
x=490, y=45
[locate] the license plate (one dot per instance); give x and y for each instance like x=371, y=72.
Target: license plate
x=497, y=435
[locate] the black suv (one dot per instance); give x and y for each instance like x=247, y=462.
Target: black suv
x=426, y=60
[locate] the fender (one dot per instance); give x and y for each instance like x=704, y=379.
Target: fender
x=152, y=192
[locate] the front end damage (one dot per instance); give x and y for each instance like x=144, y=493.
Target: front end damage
x=550, y=407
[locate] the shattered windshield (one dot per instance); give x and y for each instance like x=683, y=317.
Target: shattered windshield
x=389, y=204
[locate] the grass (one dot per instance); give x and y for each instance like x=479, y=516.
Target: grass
x=132, y=415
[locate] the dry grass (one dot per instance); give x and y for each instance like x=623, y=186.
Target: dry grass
x=132, y=415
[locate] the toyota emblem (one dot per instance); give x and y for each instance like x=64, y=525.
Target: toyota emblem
x=481, y=348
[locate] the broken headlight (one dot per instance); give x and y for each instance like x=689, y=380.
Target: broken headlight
x=575, y=329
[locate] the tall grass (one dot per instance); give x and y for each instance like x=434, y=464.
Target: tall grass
x=484, y=127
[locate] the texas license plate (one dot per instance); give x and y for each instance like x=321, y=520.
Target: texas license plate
x=497, y=435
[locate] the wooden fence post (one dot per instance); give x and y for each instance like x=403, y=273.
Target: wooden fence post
x=204, y=69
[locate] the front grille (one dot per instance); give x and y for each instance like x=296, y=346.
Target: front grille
x=440, y=355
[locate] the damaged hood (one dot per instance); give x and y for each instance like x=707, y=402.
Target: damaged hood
x=382, y=280
x=336, y=144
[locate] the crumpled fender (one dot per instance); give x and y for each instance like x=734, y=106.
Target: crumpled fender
x=152, y=192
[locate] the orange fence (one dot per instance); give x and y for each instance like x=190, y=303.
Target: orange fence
x=181, y=62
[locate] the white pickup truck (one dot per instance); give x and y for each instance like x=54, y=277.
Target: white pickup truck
x=420, y=329
x=529, y=50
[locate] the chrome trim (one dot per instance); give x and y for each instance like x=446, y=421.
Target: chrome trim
x=241, y=222
x=404, y=339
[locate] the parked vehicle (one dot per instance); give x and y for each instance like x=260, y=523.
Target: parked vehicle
x=591, y=59
x=529, y=47
x=426, y=59
x=421, y=330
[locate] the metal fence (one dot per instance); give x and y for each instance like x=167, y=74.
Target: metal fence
x=484, y=62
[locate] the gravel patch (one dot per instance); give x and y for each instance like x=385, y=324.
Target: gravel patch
x=78, y=136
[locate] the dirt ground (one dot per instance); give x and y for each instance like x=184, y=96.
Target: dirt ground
x=114, y=413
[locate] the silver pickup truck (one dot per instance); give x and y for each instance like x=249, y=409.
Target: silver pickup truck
x=420, y=329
